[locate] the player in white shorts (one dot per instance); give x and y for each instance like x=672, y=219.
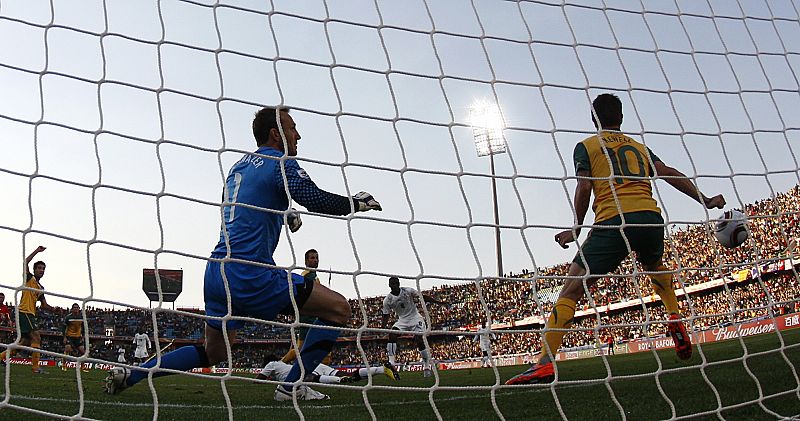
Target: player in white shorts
x=142, y=342
x=277, y=370
x=401, y=301
x=485, y=338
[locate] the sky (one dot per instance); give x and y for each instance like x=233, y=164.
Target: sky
x=120, y=120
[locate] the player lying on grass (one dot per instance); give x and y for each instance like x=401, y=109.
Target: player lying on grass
x=277, y=370
x=242, y=272
x=622, y=195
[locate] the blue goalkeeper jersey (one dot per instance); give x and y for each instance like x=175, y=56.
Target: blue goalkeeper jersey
x=259, y=182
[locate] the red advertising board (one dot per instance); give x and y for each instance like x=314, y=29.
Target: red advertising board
x=721, y=334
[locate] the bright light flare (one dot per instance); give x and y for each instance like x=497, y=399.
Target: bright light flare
x=487, y=128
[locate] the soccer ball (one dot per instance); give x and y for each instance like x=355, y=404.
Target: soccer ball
x=731, y=230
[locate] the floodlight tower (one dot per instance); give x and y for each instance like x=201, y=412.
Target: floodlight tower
x=487, y=131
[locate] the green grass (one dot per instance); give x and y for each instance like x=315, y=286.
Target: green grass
x=585, y=394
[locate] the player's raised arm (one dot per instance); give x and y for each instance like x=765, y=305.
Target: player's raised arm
x=30, y=258
x=682, y=183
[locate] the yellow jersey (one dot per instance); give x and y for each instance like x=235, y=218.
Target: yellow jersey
x=306, y=272
x=73, y=326
x=631, y=164
x=29, y=298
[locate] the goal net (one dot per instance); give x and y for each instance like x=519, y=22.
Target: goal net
x=120, y=121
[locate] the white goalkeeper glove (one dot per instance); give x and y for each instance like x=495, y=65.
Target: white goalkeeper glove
x=364, y=201
x=293, y=219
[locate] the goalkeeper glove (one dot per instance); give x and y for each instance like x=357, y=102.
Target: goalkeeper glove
x=293, y=219
x=364, y=201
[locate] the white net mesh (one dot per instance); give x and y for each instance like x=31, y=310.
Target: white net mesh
x=120, y=121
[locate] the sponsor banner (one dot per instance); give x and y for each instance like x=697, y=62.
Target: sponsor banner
x=582, y=353
x=459, y=365
x=646, y=344
x=222, y=370
x=102, y=366
x=720, y=334
x=55, y=363
x=27, y=361
x=791, y=321
x=73, y=364
x=743, y=330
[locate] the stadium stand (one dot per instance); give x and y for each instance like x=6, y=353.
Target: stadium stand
x=740, y=292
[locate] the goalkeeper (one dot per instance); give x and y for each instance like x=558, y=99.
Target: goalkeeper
x=622, y=195
x=242, y=270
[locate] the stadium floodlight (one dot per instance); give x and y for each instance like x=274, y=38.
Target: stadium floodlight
x=487, y=131
x=487, y=128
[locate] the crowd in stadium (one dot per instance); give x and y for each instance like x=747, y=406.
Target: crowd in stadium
x=691, y=251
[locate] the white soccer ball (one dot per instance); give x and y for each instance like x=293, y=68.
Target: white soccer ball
x=731, y=229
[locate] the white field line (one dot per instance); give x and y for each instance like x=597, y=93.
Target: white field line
x=279, y=406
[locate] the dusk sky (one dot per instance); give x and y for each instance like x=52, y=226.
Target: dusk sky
x=121, y=119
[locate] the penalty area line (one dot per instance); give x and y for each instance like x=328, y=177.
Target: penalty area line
x=275, y=406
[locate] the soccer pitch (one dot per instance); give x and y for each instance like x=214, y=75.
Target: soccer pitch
x=585, y=395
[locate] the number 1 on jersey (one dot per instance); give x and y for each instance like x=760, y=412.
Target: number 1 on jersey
x=231, y=193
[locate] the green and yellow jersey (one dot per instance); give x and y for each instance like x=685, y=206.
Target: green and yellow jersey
x=630, y=160
x=73, y=326
x=302, y=330
x=27, y=304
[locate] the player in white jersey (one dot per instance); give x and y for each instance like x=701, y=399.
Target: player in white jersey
x=402, y=302
x=277, y=370
x=484, y=336
x=121, y=356
x=143, y=346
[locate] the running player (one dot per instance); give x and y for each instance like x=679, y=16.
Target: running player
x=142, y=341
x=617, y=169
x=400, y=300
x=484, y=336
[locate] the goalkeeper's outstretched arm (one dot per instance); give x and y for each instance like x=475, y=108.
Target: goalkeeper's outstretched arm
x=305, y=192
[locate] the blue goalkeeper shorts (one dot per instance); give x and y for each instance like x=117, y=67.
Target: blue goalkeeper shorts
x=255, y=291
